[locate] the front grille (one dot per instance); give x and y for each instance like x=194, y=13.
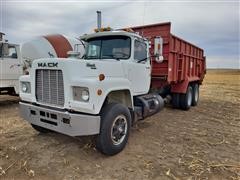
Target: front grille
x=49, y=87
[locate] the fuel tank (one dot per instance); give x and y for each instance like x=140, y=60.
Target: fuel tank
x=147, y=105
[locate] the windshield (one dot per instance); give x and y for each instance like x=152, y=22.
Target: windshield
x=109, y=47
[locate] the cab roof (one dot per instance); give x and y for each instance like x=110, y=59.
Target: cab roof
x=110, y=33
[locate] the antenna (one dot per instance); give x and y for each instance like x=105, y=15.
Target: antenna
x=144, y=8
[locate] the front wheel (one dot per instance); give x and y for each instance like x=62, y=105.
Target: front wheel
x=115, y=126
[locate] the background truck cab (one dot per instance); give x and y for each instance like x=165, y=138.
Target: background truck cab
x=10, y=66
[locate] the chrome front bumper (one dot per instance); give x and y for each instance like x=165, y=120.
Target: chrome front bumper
x=61, y=121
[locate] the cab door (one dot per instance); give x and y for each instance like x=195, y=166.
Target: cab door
x=139, y=68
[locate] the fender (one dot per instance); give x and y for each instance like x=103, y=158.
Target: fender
x=182, y=87
x=110, y=85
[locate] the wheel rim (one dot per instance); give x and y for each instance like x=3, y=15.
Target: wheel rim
x=189, y=100
x=119, y=129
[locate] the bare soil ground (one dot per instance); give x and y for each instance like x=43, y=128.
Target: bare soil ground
x=202, y=143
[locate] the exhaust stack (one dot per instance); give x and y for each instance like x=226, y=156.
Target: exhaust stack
x=99, y=20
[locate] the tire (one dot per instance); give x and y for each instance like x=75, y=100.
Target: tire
x=175, y=100
x=12, y=92
x=186, y=99
x=40, y=129
x=111, y=115
x=195, y=94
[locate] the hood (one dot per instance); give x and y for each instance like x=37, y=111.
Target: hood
x=81, y=67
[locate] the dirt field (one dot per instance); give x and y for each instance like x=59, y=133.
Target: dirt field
x=203, y=143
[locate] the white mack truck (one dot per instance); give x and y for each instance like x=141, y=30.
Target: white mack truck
x=102, y=94
x=16, y=61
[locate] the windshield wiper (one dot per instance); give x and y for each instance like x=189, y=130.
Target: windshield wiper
x=141, y=60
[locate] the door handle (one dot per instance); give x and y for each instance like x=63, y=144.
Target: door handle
x=147, y=67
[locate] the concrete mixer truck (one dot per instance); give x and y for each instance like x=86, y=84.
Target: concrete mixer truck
x=15, y=62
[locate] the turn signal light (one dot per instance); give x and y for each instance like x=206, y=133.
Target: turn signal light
x=99, y=92
x=101, y=77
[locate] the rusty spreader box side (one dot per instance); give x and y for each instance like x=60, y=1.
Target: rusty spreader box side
x=183, y=61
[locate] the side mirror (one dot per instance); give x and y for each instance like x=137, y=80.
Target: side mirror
x=5, y=49
x=14, y=55
x=73, y=54
x=158, y=49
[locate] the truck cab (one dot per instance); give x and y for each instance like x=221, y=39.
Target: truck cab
x=102, y=94
x=10, y=66
x=127, y=51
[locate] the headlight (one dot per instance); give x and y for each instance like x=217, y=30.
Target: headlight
x=85, y=95
x=81, y=94
x=26, y=88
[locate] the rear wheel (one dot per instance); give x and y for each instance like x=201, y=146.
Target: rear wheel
x=175, y=100
x=115, y=126
x=195, y=94
x=40, y=129
x=186, y=99
x=11, y=91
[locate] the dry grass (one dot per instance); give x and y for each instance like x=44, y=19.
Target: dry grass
x=203, y=143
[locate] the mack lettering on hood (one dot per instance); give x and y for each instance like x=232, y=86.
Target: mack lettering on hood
x=48, y=64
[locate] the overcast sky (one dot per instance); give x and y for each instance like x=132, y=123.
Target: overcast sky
x=212, y=25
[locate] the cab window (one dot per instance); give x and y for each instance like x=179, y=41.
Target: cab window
x=140, y=50
x=12, y=52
